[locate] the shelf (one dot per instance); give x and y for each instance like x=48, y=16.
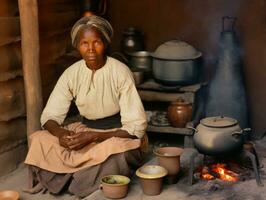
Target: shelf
x=152, y=91
x=169, y=129
x=147, y=95
x=152, y=85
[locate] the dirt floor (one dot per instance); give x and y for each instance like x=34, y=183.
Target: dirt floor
x=242, y=190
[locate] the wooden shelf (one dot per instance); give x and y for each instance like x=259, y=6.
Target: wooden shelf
x=152, y=85
x=152, y=91
x=170, y=129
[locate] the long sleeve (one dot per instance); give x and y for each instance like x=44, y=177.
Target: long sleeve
x=59, y=101
x=133, y=116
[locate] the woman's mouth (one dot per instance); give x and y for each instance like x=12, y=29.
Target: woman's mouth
x=91, y=57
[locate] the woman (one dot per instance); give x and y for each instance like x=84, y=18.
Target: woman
x=109, y=139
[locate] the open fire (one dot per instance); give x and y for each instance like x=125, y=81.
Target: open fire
x=218, y=171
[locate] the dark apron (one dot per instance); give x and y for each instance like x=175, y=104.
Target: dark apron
x=110, y=122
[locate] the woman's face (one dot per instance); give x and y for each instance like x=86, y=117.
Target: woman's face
x=92, y=48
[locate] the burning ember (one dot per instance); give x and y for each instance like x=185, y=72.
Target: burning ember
x=218, y=170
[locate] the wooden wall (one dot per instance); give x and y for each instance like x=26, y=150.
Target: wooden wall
x=12, y=100
x=56, y=18
x=199, y=23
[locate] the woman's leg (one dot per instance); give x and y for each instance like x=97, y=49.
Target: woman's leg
x=44, y=179
x=88, y=180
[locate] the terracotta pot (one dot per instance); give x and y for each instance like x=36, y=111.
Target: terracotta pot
x=151, y=177
x=9, y=194
x=179, y=113
x=115, y=186
x=169, y=158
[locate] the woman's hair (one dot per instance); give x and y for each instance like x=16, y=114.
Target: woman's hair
x=98, y=23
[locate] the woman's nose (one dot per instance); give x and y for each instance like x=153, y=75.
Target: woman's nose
x=91, y=47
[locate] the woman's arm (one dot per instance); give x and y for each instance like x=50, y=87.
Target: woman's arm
x=62, y=134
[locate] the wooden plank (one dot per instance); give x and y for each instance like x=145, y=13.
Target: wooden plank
x=52, y=2
x=12, y=99
x=10, y=158
x=55, y=33
x=9, y=8
x=28, y=10
x=152, y=85
x=55, y=6
x=13, y=130
x=147, y=95
x=55, y=21
x=6, y=76
x=53, y=47
x=10, y=30
x=11, y=58
x=169, y=129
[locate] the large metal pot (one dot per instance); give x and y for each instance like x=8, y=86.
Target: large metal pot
x=218, y=136
x=176, y=63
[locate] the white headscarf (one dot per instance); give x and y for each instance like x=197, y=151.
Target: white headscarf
x=101, y=24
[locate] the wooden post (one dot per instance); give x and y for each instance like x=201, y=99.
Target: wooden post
x=28, y=10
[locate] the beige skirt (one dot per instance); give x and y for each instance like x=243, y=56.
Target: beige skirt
x=46, y=153
x=86, y=181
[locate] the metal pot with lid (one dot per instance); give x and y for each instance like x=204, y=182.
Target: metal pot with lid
x=218, y=136
x=175, y=62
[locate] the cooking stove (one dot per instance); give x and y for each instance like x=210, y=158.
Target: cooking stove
x=247, y=159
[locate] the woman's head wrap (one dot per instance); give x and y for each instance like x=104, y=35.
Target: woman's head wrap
x=99, y=23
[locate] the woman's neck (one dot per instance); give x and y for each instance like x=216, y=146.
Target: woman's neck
x=96, y=66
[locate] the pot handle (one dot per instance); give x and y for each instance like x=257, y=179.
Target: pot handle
x=237, y=134
x=100, y=187
x=195, y=130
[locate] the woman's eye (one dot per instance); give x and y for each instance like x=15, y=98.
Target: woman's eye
x=83, y=43
x=98, y=42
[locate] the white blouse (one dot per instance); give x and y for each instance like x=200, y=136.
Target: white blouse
x=98, y=94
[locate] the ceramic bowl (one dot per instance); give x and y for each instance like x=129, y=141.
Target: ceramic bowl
x=151, y=177
x=9, y=195
x=115, y=186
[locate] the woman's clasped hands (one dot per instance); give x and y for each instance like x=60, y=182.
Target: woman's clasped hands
x=76, y=141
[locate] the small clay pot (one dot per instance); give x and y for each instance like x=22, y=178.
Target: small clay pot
x=114, y=186
x=9, y=194
x=179, y=113
x=169, y=158
x=151, y=178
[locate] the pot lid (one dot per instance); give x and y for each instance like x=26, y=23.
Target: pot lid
x=218, y=121
x=176, y=50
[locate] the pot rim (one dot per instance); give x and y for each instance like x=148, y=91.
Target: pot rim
x=139, y=54
x=161, y=174
x=116, y=184
x=199, y=54
x=156, y=151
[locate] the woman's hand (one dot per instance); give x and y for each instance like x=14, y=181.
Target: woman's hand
x=79, y=140
x=63, y=140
